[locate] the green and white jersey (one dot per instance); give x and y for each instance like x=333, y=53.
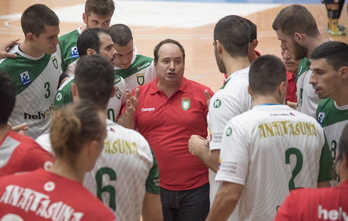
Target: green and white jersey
x=141, y=71
x=271, y=150
x=231, y=100
x=333, y=119
x=68, y=47
x=124, y=172
x=307, y=99
x=36, y=81
x=64, y=96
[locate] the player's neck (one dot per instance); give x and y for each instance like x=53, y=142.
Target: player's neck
x=3, y=131
x=65, y=170
x=314, y=43
x=259, y=100
x=341, y=99
x=236, y=64
x=28, y=49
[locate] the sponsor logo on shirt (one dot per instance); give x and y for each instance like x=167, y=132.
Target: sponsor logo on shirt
x=143, y=66
x=281, y=128
x=144, y=109
x=25, y=78
x=321, y=116
x=292, y=114
x=217, y=103
x=74, y=52
x=185, y=103
x=120, y=146
x=333, y=214
x=39, y=203
x=229, y=131
x=39, y=115
x=59, y=96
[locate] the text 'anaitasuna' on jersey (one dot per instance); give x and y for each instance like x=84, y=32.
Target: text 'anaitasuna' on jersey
x=281, y=128
x=120, y=146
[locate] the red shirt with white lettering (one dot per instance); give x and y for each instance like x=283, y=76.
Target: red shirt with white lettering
x=167, y=124
x=315, y=204
x=20, y=153
x=41, y=195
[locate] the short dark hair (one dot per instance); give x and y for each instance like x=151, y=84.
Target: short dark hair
x=335, y=53
x=295, y=18
x=265, y=74
x=36, y=17
x=343, y=144
x=253, y=30
x=167, y=41
x=89, y=39
x=100, y=7
x=94, y=79
x=233, y=32
x=121, y=34
x=7, y=97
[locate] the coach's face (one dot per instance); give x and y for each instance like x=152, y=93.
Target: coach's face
x=287, y=43
x=170, y=65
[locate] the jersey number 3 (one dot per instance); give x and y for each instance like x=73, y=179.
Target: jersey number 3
x=109, y=189
x=298, y=165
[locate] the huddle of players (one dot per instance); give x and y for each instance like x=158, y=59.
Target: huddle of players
x=259, y=136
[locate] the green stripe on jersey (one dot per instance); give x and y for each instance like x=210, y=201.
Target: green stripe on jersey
x=303, y=67
x=25, y=70
x=141, y=62
x=68, y=47
x=64, y=95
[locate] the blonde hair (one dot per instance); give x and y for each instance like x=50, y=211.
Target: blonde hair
x=73, y=126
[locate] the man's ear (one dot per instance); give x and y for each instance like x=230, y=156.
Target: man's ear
x=74, y=91
x=84, y=18
x=250, y=91
x=30, y=37
x=254, y=44
x=90, y=51
x=219, y=47
x=298, y=38
x=344, y=72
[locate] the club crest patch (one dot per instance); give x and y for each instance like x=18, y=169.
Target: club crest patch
x=54, y=61
x=25, y=78
x=185, y=103
x=74, y=52
x=117, y=92
x=140, y=78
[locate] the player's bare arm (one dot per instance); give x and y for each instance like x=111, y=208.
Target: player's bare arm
x=293, y=105
x=127, y=118
x=152, y=207
x=18, y=128
x=5, y=47
x=225, y=201
x=199, y=147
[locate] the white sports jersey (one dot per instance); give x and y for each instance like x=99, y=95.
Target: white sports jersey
x=124, y=172
x=230, y=101
x=36, y=81
x=140, y=72
x=308, y=101
x=272, y=149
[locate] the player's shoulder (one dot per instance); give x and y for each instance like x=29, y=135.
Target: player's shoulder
x=66, y=86
x=143, y=59
x=70, y=36
x=115, y=130
x=328, y=102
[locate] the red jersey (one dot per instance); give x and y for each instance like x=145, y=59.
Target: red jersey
x=167, y=124
x=41, y=195
x=291, y=88
x=20, y=153
x=315, y=204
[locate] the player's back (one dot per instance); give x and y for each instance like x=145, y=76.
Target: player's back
x=121, y=175
x=283, y=148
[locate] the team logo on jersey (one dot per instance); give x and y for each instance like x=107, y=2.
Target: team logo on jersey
x=229, y=131
x=117, y=92
x=55, y=62
x=140, y=78
x=74, y=52
x=321, y=116
x=217, y=103
x=25, y=78
x=59, y=96
x=185, y=103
